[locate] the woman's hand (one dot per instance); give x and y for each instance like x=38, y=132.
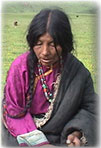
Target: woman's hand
x=74, y=139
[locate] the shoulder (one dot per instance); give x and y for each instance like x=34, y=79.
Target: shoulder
x=74, y=66
x=19, y=65
x=82, y=67
x=20, y=61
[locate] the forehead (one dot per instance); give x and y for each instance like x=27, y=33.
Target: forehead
x=45, y=37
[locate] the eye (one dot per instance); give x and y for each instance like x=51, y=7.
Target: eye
x=52, y=44
x=39, y=43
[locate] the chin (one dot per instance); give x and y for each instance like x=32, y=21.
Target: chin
x=46, y=64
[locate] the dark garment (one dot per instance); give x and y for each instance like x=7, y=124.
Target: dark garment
x=75, y=105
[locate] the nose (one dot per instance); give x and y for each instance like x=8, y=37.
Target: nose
x=45, y=50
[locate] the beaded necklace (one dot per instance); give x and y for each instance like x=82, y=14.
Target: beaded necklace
x=47, y=92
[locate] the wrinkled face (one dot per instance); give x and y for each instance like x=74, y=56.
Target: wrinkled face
x=45, y=50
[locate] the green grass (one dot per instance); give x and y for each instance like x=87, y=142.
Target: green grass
x=14, y=39
x=84, y=29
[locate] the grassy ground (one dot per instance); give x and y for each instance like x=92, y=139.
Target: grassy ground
x=14, y=39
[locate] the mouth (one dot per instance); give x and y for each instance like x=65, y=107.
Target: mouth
x=46, y=61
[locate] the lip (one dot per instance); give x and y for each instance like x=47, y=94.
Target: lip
x=46, y=61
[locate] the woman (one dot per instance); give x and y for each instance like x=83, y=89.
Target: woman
x=49, y=95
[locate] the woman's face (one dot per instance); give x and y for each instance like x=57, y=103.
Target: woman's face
x=45, y=50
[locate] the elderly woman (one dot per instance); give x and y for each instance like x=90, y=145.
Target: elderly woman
x=49, y=95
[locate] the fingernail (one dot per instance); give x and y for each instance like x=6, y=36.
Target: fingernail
x=68, y=141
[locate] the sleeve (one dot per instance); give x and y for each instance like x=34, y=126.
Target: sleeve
x=15, y=93
x=85, y=120
x=23, y=128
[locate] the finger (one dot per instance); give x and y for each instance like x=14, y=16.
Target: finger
x=68, y=141
x=71, y=145
x=76, y=141
x=71, y=137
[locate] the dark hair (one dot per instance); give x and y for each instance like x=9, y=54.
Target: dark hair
x=56, y=23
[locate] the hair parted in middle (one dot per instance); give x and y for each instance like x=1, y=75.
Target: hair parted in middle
x=56, y=23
